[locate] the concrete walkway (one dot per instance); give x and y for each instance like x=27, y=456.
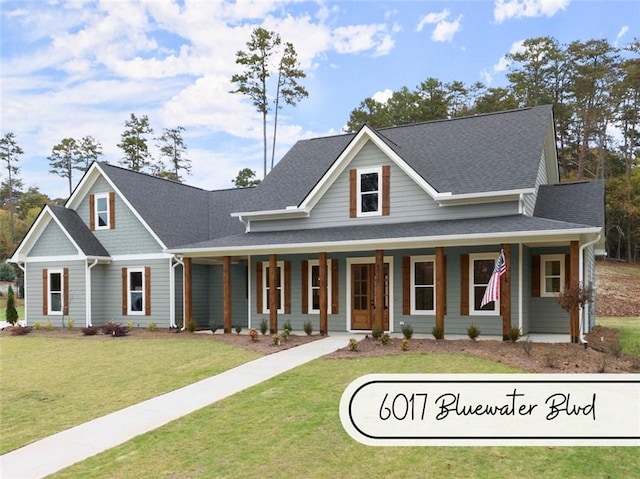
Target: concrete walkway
x=78, y=443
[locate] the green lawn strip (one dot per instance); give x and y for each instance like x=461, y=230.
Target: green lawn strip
x=628, y=332
x=51, y=384
x=288, y=427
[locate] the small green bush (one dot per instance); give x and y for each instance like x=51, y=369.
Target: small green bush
x=473, y=331
x=191, y=326
x=437, y=332
x=405, y=344
x=514, y=334
x=384, y=339
x=407, y=330
x=48, y=325
x=130, y=325
x=285, y=334
x=69, y=323
x=353, y=344
x=238, y=328
x=152, y=326
x=37, y=326
x=11, y=311
x=214, y=327
x=287, y=326
x=264, y=326
x=376, y=332
x=277, y=339
x=90, y=331
x=308, y=328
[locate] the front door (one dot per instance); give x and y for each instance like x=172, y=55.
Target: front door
x=363, y=294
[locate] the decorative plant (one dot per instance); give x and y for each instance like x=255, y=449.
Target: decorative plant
x=438, y=332
x=152, y=326
x=253, y=333
x=527, y=346
x=191, y=326
x=37, y=325
x=405, y=344
x=214, y=327
x=407, y=330
x=376, y=332
x=514, y=334
x=90, y=331
x=115, y=330
x=69, y=323
x=11, y=311
x=238, y=328
x=130, y=325
x=353, y=344
x=277, y=339
x=384, y=339
x=473, y=331
x=287, y=326
x=308, y=328
x=285, y=334
x=48, y=325
x=264, y=326
x=20, y=330
x=575, y=296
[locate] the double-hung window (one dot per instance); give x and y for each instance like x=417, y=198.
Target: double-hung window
x=423, y=285
x=552, y=274
x=136, y=291
x=369, y=194
x=278, y=286
x=480, y=268
x=314, y=286
x=56, y=292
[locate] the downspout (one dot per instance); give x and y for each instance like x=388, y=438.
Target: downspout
x=580, y=277
x=172, y=292
x=88, y=292
x=24, y=288
x=245, y=223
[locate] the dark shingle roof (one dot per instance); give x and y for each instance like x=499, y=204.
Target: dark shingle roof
x=79, y=231
x=493, y=152
x=579, y=202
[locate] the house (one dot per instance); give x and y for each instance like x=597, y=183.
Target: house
x=381, y=227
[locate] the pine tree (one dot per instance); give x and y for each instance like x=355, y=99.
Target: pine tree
x=12, y=312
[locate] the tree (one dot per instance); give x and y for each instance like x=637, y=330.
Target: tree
x=90, y=149
x=11, y=312
x=134, y=143
x=7, y=273
x=64, y=158
x=253, y=81
x=173, y=148
x=9, y=152
x=246, y=177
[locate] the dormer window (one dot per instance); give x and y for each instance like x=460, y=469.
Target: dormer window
x=102, y=211
x=369, y=195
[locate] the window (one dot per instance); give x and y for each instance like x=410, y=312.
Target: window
x=369, y=192
x=102, y=211
x=55, y=292
x=423, y=285
x=481, y=266
x=551, y=274
x=136, y=291
x=279, y=286
x=314, y=286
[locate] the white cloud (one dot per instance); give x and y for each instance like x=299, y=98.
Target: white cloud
x=444, y=30
x=486, y=76
x=506, y=9
x=623, y=31
x=503, y=63
x=382, y=96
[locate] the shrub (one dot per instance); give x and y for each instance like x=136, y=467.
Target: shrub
x=191, y=326
x=90, y=331
x=238, y=328
x=405, y=344
x=130, y=325
x=438, y=332
x=287, y=326
x=253, y=333
x=384, y=339
x=264, y=326
x=277, y=339
x=7, y=272
x=407, y=330
x=527, y=345
x=69, y=323
x=214, y=327
x=353, y=344
x=376, y=332
x=152, y=326
x=20, y=330
x=115, y=329
x=574, y=296
x=308, y=328
x=37, y=326
x=285, y=334
x=473, y=331
x=514, y=334
x=11, y=312
x=48, y=325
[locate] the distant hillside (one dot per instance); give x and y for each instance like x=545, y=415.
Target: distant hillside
x=617, y=289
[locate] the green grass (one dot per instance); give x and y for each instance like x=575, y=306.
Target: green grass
x=288, y=427
x=628, y=332
x=51, y=384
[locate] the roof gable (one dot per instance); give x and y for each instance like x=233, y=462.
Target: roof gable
x=578, y=202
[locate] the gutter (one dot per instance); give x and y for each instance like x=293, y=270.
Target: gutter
x=24, y=284
x=172, y=293
x=88, y=292
x=580, y=276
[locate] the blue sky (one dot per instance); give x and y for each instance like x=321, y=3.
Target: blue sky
x=72, y=68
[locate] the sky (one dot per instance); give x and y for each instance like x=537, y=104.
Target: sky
x=75, y=68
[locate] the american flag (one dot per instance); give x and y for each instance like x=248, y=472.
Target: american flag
x=492, y=293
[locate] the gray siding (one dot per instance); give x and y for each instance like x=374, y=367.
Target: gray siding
x=53, y=242
x=408, y=202
x=239, y=300
x=76, y=286
x=107, y=293
x=200, y=294
x=129, y=235
x=541, y=179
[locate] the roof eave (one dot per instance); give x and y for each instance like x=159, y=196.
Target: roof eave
x=449, y=199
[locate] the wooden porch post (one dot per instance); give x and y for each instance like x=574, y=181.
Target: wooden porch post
x=378, y=319
x=505, y=293
x=188, y=289
x=441, y=288
x=574, y=281
x=226, y=293
x=324, y=323
x=273, y=293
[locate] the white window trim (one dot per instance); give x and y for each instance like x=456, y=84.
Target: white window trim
x=422, y=259
x=313, y=263
x=144, y=299
x=366, y=171
x=544, y=258
x=98, y=196
x=265, y=283
x=472, y=303
x=51, y=312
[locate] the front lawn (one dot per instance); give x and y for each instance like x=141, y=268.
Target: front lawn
x=50, y=384
x=628, y=332
x=288, y=427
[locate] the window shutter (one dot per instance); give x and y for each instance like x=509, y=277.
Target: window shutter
x=287, y=287
x=353, y=191
x=259, y=287
x=406, y=285
x=334, y=287
x=386, y=190
x=45, y=291
x=125, y=293
x=535, y=276
x=305, y=287
x=92, y=212
x=464, y=285
x=147, y=291
x=112, y=210
x=65, y=291
x=567, y=271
